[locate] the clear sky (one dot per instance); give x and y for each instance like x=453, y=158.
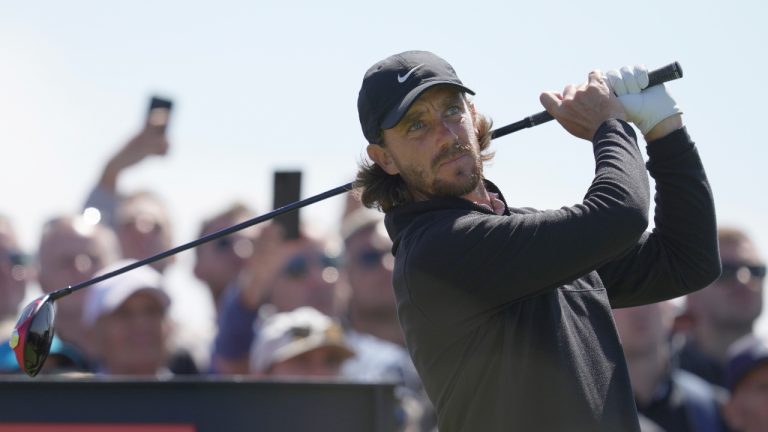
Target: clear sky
x=260, y=86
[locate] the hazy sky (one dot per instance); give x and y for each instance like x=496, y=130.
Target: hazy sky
x=265, y=85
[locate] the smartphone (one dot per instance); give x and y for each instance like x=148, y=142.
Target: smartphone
x=159, y=112
x=287, y=190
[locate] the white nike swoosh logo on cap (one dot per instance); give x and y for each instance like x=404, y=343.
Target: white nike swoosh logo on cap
x=402, y=79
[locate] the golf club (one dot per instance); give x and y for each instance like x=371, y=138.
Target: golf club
x=32, y=336
x=658, y=76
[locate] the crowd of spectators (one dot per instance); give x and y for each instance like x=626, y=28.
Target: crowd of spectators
x=302, y=309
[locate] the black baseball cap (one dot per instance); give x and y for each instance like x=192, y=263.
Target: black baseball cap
x=393, y=84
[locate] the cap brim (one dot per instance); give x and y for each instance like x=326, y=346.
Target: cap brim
x=305, y=345
x=120, y=295
x=396, y=114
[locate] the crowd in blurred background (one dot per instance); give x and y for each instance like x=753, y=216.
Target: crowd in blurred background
x=319, y=307
x=314, y=307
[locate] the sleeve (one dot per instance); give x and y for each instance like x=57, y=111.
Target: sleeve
x=680, y=254
x=236, y=332
x=473, y=262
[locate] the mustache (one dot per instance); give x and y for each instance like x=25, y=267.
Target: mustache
x=458, y=148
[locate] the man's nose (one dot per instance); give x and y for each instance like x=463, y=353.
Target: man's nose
x=447, y=135
x=448, y=128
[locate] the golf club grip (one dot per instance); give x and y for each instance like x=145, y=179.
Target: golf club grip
x=658, y=76
x=666, y=73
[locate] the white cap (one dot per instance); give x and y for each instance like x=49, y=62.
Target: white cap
x=288, y=334
x=359, y=219
x=104, y=297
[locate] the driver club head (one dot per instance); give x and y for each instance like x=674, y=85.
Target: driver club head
x=33, y=334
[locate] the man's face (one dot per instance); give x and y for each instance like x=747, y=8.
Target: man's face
x=307, y=278
x=13, y=275
x=68, y=257
x=747, y=410
x=132, y=338
x=144, y=229
x=218, y=262
x=368, y=264
x=736, y=298
x=434, y=148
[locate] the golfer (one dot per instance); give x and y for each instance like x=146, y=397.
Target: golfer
x=507, y=311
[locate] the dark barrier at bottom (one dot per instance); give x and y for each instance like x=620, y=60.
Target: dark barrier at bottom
x=200, y=405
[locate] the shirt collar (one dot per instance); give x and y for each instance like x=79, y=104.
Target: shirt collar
x=497, y=205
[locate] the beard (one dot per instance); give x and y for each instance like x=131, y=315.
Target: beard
x=461, y=180
x=466, y=183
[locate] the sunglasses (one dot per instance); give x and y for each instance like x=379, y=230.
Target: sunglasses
x=240, y=246
x=33, y=334
x=299, y=265
x=224, y=243
x=742, y=272
x=18, y=258
x=370, y=258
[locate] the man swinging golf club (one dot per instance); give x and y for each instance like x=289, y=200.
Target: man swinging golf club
x=506, y=311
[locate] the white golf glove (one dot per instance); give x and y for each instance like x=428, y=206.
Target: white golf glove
x=645, y=107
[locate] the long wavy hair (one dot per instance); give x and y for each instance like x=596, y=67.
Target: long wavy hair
x=377, y=189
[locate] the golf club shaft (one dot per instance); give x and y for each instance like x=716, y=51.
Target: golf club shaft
x=655, y=77
x=658, y=76
x=205, y=239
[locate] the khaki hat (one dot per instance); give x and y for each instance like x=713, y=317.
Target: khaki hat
x=288, y=334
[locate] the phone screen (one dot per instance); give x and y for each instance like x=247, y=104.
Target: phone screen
x=287, y=190
x=159, y=112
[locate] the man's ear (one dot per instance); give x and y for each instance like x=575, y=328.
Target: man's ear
x=381, y=156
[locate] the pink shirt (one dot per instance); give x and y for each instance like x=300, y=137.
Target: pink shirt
x=498, y=205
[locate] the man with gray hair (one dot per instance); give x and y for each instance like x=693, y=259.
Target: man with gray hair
x=72, y=250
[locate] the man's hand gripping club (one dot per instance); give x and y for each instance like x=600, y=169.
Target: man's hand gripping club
x=651, y=109
x=618, y=94
x=582, y=109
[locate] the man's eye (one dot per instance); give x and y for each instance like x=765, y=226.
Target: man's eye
x=453, y=110
x=415, y=125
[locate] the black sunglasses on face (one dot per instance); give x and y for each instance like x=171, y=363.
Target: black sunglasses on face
x=18, y=258
x=742, y=272
x=224, y=243
x=299, y=265
x=370, y=258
